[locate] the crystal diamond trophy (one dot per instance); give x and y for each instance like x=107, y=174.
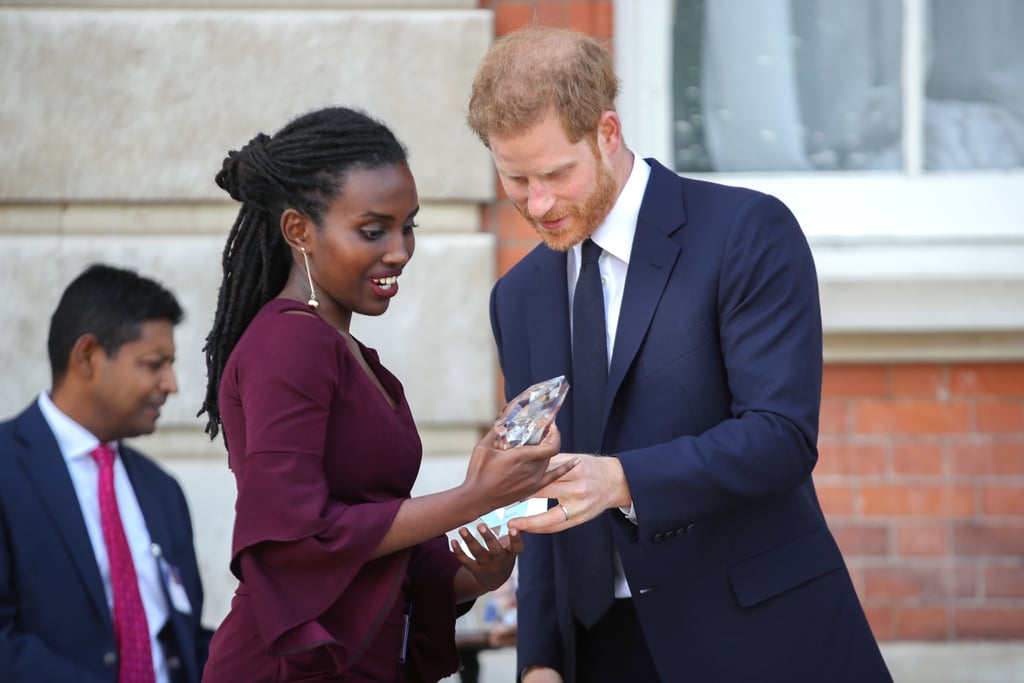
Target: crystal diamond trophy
x=523, y=422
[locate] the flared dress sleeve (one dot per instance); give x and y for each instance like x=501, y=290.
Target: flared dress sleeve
x=431, y=591
x=302, y=551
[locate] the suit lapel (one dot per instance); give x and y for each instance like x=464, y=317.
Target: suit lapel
x=158, y=520
x=42, y=461
x=547, y=329
x=653, y=257
x=651, y=263
x=547, y=318
x=149, y=502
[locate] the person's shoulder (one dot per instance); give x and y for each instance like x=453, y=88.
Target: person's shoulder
x=736, y=204
x=7, y=438
x=282, y=326
x=142, y=461
x=285, y=342
x=537, y=259
x=148, y=468
x=720, y=192
x=7, y=425
x=285, y=315
x=151, y=479
x=11, y=425
x=695, y=189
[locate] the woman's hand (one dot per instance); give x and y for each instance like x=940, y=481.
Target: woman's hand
x=499, y=477
x=491, y=563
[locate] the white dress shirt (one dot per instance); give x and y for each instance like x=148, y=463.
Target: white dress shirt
x=76, y=443
x=615, y=237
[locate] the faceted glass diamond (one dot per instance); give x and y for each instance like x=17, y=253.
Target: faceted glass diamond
x=526, y=417
x=529, y=413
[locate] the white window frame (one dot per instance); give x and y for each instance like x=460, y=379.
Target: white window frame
x=900, y=252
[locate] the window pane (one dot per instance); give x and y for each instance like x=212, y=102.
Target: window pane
x=787, y=85
x=974, y=107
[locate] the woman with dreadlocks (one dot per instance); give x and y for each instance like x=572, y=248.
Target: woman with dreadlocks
x=342, y=575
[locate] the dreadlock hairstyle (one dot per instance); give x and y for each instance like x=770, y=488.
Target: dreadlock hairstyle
x=302, y=167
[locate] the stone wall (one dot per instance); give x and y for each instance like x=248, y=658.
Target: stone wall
x=114, y=118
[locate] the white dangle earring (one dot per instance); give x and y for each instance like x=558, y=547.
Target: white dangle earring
x=312, y=303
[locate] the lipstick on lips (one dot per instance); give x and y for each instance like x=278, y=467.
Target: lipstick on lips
x=386, y=286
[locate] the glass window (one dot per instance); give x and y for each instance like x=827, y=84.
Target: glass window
x=894, y=130
x=974, y=88
x=833, y=85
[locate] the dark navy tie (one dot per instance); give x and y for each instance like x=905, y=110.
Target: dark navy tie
x=591, y=589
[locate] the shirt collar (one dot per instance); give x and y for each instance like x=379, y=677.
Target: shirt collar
x=615, y=234
x=74, y=440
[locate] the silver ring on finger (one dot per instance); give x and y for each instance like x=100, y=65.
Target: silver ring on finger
x=565, y=511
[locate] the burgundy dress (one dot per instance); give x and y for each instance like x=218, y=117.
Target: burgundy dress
x=322, y=463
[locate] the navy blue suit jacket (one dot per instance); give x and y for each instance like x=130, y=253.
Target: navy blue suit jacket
x=712, y=408
x=54, y=621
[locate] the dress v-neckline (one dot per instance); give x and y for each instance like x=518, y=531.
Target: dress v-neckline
x=356, y=348
x=352, y=345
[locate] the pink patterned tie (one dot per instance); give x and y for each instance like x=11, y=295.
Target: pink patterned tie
x=130, y=629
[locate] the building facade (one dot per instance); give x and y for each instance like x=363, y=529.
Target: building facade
x=115, y=116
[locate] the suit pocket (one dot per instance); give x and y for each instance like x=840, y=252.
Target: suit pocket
x=676, y=345
x=785, y=567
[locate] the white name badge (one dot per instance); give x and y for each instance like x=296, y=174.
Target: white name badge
x=175, y=588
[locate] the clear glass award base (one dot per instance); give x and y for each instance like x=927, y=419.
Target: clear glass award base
x=523, y=421
x=497, y=520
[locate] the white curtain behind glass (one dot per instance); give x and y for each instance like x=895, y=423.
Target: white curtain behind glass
x=794, y=85
x=974, y=112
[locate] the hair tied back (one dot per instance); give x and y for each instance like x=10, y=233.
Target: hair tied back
x=252, y=159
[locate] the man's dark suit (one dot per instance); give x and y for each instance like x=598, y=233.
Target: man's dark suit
x=54, y=621
x=712, y=407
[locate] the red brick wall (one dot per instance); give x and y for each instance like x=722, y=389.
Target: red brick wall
x=921, y=468
x=921, y=474
x=593, y=17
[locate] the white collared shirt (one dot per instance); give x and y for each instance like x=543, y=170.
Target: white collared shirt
x=615, y=237
x=76, y=443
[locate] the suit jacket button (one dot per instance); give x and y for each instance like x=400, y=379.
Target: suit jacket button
x=688, y=528
x=173, y=663
x=670, y=535
x=658, y=537
x=110, y=659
